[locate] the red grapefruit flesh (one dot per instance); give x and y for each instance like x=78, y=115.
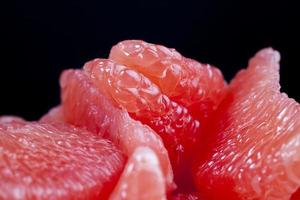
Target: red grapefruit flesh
x=54, y=115
x=296, y=195
x=42, y=161
x=185, y=80
x=85, y=105
x=252, y=150
x=185, y=197
x=11, y=120
x=138, y=95
x=142, y=178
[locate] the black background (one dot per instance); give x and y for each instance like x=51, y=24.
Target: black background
x=41, y=38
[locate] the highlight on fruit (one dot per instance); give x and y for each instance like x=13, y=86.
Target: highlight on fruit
x=148, y=123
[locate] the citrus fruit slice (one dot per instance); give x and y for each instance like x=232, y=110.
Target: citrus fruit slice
x=191, y=91
x=252, y=150
x=139, y=96
x=85, y=105
x=142, y=178
x=42, y=161
x=182, y=79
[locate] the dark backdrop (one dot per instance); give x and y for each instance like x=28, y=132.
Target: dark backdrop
x=41, y=38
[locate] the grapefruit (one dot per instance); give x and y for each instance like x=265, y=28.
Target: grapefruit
x=243, y=139
x=142, y=98
x=42, y=161
x=200, y=87
x=84, y=105
x=252, y=149
x=142, y=178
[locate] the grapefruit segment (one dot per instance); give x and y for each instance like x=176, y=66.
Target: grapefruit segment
x=85, y=106
x=182, y=79
x=142, y=178
x=140, y=97
x=252, y=150
x=42, y=161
